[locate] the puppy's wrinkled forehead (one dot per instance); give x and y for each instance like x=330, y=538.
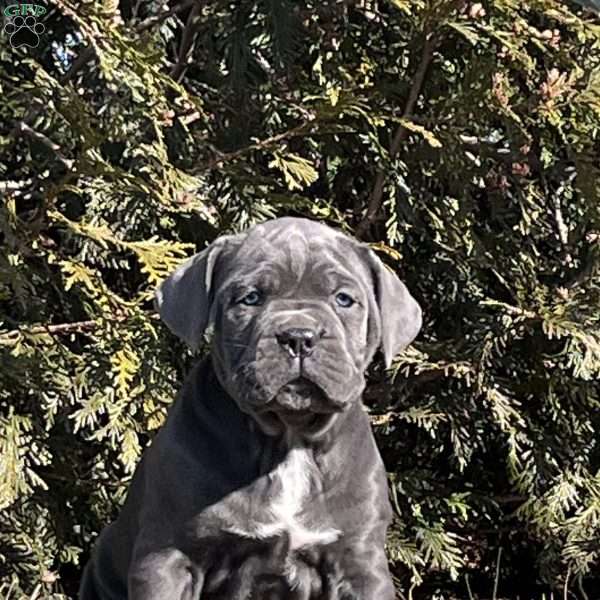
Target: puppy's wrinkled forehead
x=294, y=246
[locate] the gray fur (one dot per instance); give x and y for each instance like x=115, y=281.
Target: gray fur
x=267, y=457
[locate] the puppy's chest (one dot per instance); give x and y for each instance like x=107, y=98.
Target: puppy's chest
x=289, y=501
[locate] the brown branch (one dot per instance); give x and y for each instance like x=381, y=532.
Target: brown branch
x=23, y=127
x=152, y=21
x=217, y=162
x=400, y=135
x=187, y=41
x=60, y=329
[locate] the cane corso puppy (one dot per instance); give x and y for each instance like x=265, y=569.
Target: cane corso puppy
x=265, y=481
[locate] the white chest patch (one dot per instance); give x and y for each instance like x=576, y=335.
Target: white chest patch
x=289, y=508
x=294, y=475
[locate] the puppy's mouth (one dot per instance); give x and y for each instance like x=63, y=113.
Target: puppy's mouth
x=300, y=405
x=299, y=394
x=297, y=419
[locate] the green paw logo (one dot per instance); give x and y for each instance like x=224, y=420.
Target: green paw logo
x=23, y=28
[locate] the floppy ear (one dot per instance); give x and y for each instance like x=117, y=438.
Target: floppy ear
x=399, y=313
x=184, y=299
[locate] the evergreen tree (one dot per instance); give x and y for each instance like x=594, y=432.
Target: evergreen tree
x=459, y=138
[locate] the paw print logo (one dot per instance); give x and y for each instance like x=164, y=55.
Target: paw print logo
x=24, y=31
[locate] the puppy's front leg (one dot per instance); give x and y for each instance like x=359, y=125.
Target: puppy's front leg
x=165, y=574
x=365, y=574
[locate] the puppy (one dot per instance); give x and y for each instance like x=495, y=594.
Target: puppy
x=267, y=451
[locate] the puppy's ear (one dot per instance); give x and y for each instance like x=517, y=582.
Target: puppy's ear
x=184, y=299
x=399, y=313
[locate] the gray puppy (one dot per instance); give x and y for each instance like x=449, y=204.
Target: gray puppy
x=268, y=444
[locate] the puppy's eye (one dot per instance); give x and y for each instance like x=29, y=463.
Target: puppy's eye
x=344, y=300
x=252, y=298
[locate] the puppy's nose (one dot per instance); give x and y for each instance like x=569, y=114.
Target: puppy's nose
x=298, y=341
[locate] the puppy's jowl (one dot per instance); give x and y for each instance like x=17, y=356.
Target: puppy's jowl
x=265, y=481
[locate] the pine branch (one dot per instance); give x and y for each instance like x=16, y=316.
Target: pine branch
x=87, y=53
x=401, y=133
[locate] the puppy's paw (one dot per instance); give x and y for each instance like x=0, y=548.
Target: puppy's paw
x=334, y=584
x=346, y=593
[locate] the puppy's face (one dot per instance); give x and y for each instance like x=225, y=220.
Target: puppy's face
x=298, y=312
x=291, y=327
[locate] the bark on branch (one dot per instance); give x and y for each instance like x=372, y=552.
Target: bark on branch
x=23, y=127
x=302, y=129
x=8, y=338
x=400, y=134
x=187, y=43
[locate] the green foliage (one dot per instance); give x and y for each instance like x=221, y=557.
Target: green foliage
x=460, y=138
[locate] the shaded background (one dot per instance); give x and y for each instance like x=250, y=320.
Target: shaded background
x=460, y=138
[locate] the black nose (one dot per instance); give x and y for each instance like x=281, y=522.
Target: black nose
x=297, y=341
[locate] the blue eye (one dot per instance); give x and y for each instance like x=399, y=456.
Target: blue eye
x=344, y=300
x=251, y=299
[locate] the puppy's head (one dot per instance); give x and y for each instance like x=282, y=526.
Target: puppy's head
x=298, y=310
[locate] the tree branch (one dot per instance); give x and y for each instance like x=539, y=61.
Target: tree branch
x=187, y=40
x=63, y=328
x=9, y=337
x=22, y=127
x=295, y=131
x=400, y=135
x=152, y=21
x=87, y=53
